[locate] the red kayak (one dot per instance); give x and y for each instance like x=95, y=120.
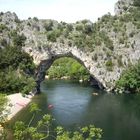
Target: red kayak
x=50, y=106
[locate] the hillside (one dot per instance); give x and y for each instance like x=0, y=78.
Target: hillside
x=112, y=42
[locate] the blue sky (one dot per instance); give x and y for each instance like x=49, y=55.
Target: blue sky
x=61, y=10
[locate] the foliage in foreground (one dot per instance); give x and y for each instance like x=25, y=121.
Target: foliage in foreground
x=130, y=79
x=3, y=103
x=44, y=130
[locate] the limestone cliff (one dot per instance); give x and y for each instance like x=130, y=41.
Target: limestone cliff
x=105, y=48
x=122, y=6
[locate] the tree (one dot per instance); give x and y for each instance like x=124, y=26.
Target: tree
x=48, y=25
x=16, y=69
x=3, y=115
x=18, y=40
x=136, y=3
x=3, y=103
x=130, y=79
x=68, y=67
x=109, y=65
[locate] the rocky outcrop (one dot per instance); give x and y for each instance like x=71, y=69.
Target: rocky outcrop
x=48, y=55
x=122, y=6
x=112, y=45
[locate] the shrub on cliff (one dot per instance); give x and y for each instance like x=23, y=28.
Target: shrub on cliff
x=53, y=35
x=3, y=103
x=18, y=40
x=109, y=65
x=15, y=57
x=136, y=3
x=2, y=27
x=130, y=79
x=48, y=25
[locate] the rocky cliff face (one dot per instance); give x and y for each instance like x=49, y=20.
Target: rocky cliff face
x=122, y=6
x=105, y=48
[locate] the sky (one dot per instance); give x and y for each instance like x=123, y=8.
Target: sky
x=60, y=10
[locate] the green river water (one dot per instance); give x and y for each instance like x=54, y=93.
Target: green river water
x=75, y=105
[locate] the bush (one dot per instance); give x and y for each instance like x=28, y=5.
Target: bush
x=18, y=40
x=12, y=82
x=88, y=28
x=69, y=27
x=35, y=19
x=48, y=25
x=132, y=34
x=130, y=79
x=109, y=65
x=53, y=35
x=119, y=60
x=4, y=42
x=95, y=57
x=3, y=103
x=121, y=40
x=15, y=57
x=15, y=68
x=29, y=86
x=79, y=27
x=125, y=8
x=67, y=67
x=136, y=3
x=2, y=27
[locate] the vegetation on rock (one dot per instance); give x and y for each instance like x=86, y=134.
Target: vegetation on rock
x=137, y=3
x=16, y=67
x=104, y=41
x=3, y=103
x=130, y=80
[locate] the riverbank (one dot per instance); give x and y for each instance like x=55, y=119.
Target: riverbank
x=17, y=102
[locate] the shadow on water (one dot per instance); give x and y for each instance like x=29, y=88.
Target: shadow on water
x=75, y=105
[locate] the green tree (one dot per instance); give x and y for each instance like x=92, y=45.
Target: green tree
x=3, y=115
x=130, y=79
x=53, y=35
x=18, y=40
x=3, y=103
x=136, y=3
x=109, y=65
x=48, y=25
x=16, y=69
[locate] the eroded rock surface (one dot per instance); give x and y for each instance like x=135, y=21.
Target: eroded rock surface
x=105, y=48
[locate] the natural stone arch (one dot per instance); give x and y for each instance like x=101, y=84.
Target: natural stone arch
x=95, y=56
x=55, y=52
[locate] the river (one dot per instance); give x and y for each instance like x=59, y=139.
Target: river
x=75, y=105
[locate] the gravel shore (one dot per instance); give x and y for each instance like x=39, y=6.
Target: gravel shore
x=16, y=103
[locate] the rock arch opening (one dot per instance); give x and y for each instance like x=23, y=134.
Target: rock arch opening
x=47, y=64
x=67, y=68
